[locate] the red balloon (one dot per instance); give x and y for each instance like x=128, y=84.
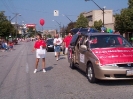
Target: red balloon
x=42, y=22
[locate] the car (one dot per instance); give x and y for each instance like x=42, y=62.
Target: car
x=15, y=41
x=102, y=56
x=49, y=45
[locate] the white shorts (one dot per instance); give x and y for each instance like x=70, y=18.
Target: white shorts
x=40, y=53
x=66, y=50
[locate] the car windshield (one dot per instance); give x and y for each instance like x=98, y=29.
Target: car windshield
x=104, y=41
x=50, y=41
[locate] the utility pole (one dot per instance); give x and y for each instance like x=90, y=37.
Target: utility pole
x=67, y=18
x=58, y=24
x=99, y=8
x=16, y=14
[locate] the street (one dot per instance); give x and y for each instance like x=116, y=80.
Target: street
x=17, y=80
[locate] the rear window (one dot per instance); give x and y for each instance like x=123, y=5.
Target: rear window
x=50, y=42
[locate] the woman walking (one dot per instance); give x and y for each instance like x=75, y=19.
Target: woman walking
x=57, y=43
x=40, y=46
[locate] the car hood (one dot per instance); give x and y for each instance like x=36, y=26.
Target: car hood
x=114, y=55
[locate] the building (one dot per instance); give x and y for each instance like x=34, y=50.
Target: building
x=96, y=15
x=18, y=27
x=50, y=32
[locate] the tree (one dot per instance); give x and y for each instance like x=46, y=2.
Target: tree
x=70, y=26
x=49, y=36
x=130, y=3
x=124, y=20
x=6, y=28
x=98, y=24
x=82, y=22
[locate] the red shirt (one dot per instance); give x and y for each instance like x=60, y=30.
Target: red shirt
x=39, y=43
x=67, y=40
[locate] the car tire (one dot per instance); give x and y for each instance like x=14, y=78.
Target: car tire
x=72, y=66
x=47, y=50
x=90, y=73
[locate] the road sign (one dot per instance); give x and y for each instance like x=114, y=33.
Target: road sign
x=56, y=13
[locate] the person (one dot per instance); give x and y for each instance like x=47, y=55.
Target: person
x=54, y=47
x=10, y=44
x=67, y=42
x=63, y=45
x=39, y=47
x=57, y=43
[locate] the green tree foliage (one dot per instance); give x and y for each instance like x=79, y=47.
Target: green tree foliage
x=82, y=22
x=98, y=24
x=49, y=36
x=130, y=3
x=70, y=26
x=6, y=28
x=124, y=20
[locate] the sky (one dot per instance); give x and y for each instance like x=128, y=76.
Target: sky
x=33, y=10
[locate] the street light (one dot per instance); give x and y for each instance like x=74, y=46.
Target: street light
x=67, y=17
x=16, y=14
x=58, y=24
x=99, y=8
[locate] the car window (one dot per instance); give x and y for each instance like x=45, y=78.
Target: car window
x=103, y=41
x=81, y=40
x=50, y=42
x=74, y=39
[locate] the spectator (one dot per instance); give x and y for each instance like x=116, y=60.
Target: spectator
x=63, y=45
x=67, y=42
x=57, y=42
x=10, y=44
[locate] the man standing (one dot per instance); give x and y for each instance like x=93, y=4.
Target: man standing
x=67, y=42
x=57, y=43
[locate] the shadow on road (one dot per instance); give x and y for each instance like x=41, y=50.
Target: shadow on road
x=62, y=58
x=49, y=68
x=109, y=82
x=115, y=82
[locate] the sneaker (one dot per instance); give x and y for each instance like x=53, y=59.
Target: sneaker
x=57, y=59
x=35, y=70
x=44, y=70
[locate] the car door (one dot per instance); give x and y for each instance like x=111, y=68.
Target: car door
x=79, y=42
x=82, y=54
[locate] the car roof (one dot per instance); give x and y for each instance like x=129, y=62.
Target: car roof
x=84, y=30
x=99, y=33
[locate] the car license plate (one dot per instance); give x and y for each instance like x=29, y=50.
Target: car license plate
x=50, y=46
x=129, y=73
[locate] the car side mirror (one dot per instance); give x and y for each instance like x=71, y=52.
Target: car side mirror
x=84, y=47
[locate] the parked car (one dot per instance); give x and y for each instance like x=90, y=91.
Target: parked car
x=15, y=41
x=102, y=56
x=50, y=45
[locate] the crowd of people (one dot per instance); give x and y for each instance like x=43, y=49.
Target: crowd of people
x=64, y=42
x=6, y=45
x=40, y=46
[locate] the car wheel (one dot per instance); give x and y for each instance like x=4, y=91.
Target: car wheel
x=47, y=50
x=90, y=73
x=72, y=66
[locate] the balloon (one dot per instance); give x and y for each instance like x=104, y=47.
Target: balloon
x=42, y=22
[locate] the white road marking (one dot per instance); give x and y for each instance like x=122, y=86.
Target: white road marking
x=27, y=68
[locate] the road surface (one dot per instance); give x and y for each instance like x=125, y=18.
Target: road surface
x=17, y=80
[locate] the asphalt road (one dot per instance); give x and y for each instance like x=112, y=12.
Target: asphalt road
x=17, y=80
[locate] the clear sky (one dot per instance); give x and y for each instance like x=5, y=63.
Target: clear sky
x=33, y=10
